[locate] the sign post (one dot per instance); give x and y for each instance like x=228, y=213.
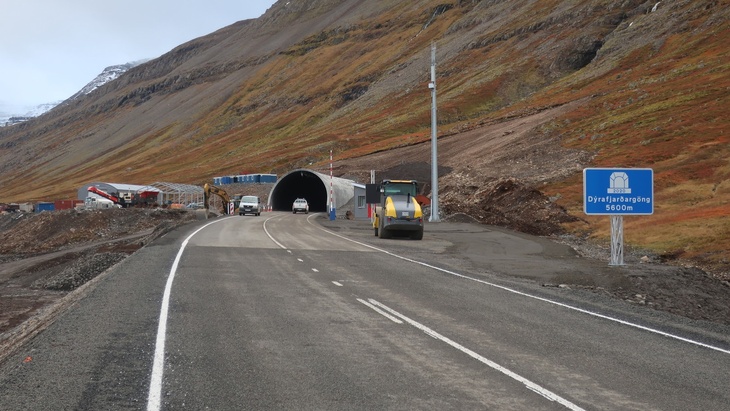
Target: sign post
x=618, y=192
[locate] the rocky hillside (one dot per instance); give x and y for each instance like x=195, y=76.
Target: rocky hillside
x=646, y=84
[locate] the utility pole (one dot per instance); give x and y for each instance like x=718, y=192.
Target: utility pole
x=434, y=136
x=332, y=213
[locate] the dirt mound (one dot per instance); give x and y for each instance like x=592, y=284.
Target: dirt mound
x=508, y=203
x=79, y=271
x=49, y=231
x=43, y=256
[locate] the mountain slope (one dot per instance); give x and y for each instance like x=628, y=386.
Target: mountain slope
x=108, y=74
x=276, y=93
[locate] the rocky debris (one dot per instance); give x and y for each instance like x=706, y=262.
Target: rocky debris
x=685, y=291
x=508, y=203
x=79, y=272
x=29, y=234
x=45, y=255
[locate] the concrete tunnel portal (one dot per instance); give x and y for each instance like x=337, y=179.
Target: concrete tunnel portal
x=311, y=185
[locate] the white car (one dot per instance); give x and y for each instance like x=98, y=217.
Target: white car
x=300, y=204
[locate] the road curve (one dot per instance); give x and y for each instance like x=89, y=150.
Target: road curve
x=275, y=312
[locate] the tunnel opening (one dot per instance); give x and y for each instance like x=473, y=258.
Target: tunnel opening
x=299, y=184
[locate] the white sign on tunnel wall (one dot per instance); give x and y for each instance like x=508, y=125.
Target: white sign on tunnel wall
x=618, y=191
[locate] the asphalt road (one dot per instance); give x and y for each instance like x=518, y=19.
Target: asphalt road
x=277, y=312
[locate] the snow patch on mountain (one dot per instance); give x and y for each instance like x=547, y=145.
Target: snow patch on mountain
x=110, y=73
x=8, y=119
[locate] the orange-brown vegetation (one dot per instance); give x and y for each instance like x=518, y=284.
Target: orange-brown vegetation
x=280, y=92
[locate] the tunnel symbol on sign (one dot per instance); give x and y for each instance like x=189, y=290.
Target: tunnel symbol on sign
x=619, y=183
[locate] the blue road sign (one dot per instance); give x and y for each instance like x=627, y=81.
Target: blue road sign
x=618, y=191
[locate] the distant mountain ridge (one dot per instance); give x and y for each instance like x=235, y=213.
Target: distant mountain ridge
x=108, y=74
x=15, y=118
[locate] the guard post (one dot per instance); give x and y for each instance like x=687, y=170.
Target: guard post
x=617, y=192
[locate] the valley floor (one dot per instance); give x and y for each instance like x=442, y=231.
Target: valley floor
x=36, y=286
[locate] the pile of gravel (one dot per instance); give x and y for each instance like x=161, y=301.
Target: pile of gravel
x=80, y=271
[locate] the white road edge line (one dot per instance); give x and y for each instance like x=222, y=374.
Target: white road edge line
x=158, y=365
x=570, y=307
x=544, y=392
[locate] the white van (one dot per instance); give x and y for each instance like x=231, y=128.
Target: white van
x=249, y=205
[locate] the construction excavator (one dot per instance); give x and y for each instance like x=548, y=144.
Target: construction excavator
x=209, y=189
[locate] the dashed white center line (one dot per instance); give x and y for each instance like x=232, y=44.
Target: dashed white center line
x=337, y=283
x=396, y=317
x=315, y=270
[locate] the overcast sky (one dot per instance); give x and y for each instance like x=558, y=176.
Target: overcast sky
x=50, y=49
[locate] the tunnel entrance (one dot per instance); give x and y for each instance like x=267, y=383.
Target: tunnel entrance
x=299, y=184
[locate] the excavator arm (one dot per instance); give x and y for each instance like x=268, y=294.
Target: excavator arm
x=209, y=189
